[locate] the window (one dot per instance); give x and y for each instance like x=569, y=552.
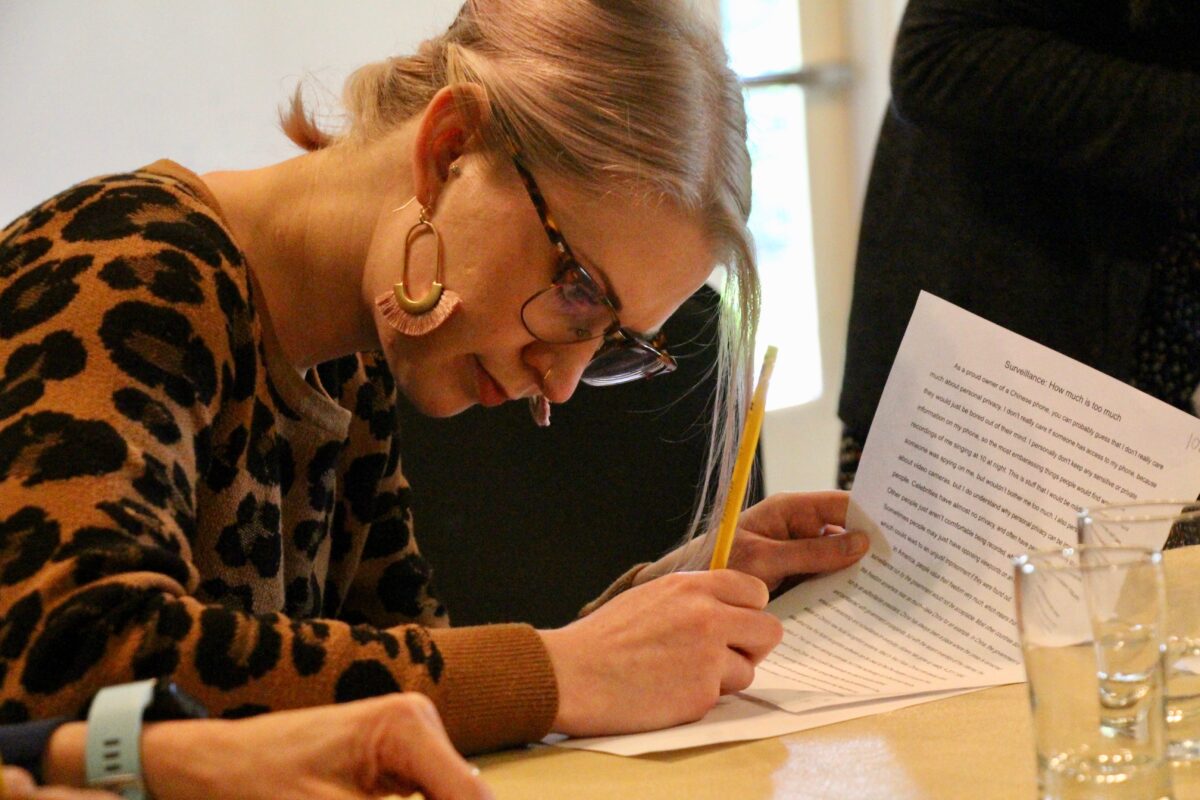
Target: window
x=763, y=38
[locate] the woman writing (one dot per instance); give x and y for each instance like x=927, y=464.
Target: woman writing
x=199, y=474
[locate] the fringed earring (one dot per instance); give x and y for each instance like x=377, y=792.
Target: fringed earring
x=539, y=406
x=417, y=317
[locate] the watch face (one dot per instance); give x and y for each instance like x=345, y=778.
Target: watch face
x=171, y=702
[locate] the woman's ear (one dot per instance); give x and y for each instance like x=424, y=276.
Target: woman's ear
x=452, y=124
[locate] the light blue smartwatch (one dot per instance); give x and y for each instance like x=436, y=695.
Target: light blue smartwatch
x=114, y=736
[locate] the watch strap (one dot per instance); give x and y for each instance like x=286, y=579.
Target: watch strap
x=114, y=735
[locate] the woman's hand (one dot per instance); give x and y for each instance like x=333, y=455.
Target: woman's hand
x=795, y=534
x=393, y=744
x=17, y=784
x=660, y=654
x=385, y=745
x=783, y=538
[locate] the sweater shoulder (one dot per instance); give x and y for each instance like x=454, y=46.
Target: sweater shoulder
x=143, y=235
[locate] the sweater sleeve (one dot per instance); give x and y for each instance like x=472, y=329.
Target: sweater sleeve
x=1048, y=81
x=24, y=745
x=118, y=343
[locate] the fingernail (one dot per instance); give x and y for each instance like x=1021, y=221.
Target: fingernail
x=854, y=544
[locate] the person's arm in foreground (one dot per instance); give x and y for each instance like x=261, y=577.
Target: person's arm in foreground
x=370, y=748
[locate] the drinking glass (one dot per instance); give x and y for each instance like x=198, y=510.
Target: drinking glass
x=1161, y=524
x=1092, y=629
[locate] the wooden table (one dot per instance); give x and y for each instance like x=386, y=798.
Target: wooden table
x=976, y=746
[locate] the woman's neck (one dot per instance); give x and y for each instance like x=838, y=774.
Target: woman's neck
x=305, y=226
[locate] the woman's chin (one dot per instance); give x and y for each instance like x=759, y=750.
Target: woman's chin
x=440, y=406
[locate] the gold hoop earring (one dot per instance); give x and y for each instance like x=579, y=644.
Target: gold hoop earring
x=431, y=298
x=417, y=317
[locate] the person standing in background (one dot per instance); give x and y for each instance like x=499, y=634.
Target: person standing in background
x=1036, y=166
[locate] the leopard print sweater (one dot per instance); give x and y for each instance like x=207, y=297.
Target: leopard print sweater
x=177, y=501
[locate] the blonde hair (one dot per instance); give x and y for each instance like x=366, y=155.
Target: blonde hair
x=635, y=94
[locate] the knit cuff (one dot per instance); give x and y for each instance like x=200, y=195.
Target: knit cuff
x=498, y=688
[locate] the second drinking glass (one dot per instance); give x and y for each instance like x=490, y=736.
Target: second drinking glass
x=1157, y=525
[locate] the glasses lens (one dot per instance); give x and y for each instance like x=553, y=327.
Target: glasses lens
x=625, y=361
x=570, y=311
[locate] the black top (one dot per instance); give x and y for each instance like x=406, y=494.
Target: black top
x=22, y=745
x=1028, y=169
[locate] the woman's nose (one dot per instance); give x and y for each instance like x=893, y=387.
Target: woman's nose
x=560, y=367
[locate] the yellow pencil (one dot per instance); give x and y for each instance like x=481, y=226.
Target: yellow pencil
x=742, y=464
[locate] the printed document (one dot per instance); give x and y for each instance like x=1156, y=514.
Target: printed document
x=985, y=445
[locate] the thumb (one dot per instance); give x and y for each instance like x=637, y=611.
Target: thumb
x=415, y=751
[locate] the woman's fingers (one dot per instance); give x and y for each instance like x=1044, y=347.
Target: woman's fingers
x=65, y=793
x=735, y=588
x=18, y=785
x=415, y=752
x=738, y=672
x=796, y=514
x=773, y=560
x=753, y=633
x=392, y=744
x=822, y=554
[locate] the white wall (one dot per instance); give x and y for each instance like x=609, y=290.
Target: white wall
x=88, y=87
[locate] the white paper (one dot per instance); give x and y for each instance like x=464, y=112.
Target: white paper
x=737, y=718
x=984, y=446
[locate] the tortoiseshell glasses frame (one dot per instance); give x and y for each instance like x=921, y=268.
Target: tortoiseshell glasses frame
x=574, y=308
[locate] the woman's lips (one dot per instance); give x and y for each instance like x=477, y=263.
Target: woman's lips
x=491, y=393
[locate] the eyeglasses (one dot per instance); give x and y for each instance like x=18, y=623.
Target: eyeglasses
x=573, y=308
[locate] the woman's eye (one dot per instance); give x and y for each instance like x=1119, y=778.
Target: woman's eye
x=575, y=296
